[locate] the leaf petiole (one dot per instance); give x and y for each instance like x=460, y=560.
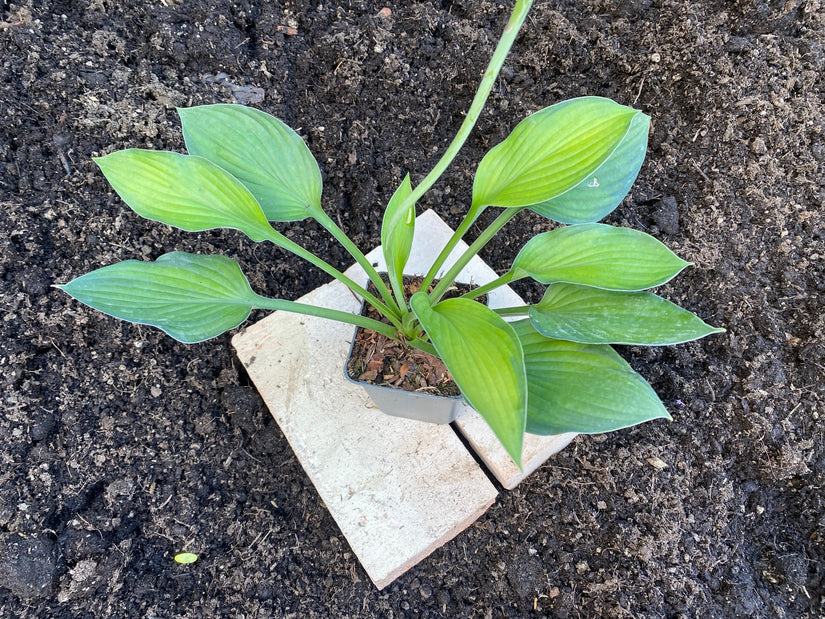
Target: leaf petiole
x=445, y=282
x=281, y=241
x=326, y=221
x=323, y=312
x=469, y=220
x=508, y=277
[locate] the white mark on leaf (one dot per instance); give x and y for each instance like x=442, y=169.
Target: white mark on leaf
x=593, y=183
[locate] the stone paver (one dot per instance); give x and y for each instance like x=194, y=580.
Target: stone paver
x=398, y=489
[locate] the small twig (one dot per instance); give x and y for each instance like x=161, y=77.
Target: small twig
x=639, y=93
x=698, y=169
x=62, y=354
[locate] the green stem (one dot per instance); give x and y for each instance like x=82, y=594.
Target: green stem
x=490, y=75
x=323, y=312
x=468, y=221
x=505, y=216
x=502, y=49
x=282, y=305
x=281, y=241
x=505, y=279
x=397, y=284
x=521, y=310
x=326, y=221
x=423, y=345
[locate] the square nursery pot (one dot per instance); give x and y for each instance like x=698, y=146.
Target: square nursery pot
x=397, y=489
x=398, y=402
x=415, y=405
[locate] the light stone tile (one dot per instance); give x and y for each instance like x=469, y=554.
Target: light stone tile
x=398, y=489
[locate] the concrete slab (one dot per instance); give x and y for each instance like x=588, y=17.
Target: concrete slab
x=398, y=489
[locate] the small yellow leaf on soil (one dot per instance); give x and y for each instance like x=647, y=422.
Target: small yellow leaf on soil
x=186, y=557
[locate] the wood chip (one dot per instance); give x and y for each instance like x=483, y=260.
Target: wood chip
x=287, y=30
x=657, y=463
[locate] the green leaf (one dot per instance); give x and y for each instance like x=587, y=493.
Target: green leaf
x=186, y=557
x=191, y=297
x=604, y=189
x=595, y=316
x=183, y=191
x=485, y=359
x=598, y=255
x=397, y=230
x=260, y=151
x=555, y=150
x=583, y=388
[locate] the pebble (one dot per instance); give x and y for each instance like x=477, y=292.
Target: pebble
x=247, y=95
x=443, y=597
x=35, y=281
x=42, y=428
x=737, y=45
x=666, y=215
x=758, y=146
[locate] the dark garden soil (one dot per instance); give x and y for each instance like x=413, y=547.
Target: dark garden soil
x=121, y=447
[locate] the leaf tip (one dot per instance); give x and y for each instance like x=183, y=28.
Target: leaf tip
x=62, y=287
x=514, y=450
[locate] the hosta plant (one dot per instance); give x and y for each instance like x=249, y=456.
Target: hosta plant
x=551, y=371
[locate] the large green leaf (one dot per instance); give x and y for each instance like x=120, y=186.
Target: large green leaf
x=598, y=255
x=594, y=316
x=191, y=297
x=183, y=191
x=397, y=230
x=259, y=150
x=553, y=151
x=597, y=195
x=581, y=387
x=485, y=359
